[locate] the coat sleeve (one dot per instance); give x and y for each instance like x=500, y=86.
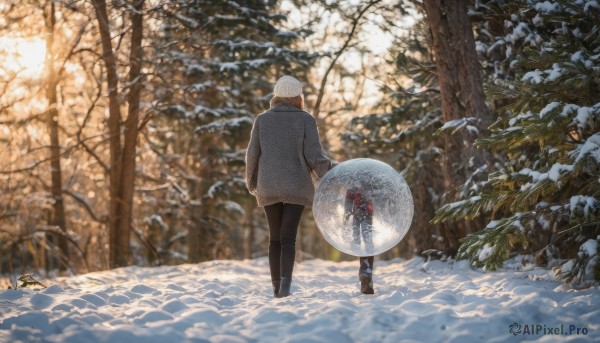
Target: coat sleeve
x=252, y=158
x=313, y=153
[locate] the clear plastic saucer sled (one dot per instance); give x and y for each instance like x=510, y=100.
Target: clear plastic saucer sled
x=363, y=207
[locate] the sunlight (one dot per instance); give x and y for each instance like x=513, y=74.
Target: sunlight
x=26, y=55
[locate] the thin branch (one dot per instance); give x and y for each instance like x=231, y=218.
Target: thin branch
x=80, y=199
x=90, y=50
x=12, y=77
x=145, y=121
x=56, y=230
x=86, y=147
x=418, y=4
x=22, y=121
x=91, y=151
x=338, y=53
x=74, y=45
x=40, y=162
x=140, y=235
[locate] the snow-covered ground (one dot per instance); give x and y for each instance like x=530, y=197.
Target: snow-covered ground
x=231, y=301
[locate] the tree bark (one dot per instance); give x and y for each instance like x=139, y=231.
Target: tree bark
x=118, y=241
x=199, y=233
x=461, y=91
x=131, y=132
x=58, y=218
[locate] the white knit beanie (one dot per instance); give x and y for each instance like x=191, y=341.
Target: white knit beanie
x=287, y=87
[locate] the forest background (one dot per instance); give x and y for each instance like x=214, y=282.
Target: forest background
x=123, y=125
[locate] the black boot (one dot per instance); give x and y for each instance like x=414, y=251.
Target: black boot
x=286, y=285
x=276, y=287
x=366, y=284
x=365, y=275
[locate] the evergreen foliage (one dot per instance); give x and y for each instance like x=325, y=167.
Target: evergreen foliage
x=403, y=135
x=546, y=195
x=218, y=61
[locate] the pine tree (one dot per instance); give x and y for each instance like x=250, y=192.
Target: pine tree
x=546, y=195
x=218, y=61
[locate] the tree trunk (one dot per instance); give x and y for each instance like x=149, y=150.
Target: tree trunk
x=58, y=218
x=118, y=241
x=461, y=90
x=131, y=133
x=424, y=233
x=199, y=233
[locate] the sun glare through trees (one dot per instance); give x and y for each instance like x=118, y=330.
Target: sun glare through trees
x=25, y=56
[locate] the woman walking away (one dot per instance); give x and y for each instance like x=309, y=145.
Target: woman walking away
x=283, y=152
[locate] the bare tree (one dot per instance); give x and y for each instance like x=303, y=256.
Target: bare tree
x=132, y=122
x=58, y=217
x=360, y=12
x=122, y=156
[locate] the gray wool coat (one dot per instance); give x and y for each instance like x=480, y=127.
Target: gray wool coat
x=283, y=152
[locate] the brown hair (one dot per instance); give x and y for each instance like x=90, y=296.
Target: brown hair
x=297, y=101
